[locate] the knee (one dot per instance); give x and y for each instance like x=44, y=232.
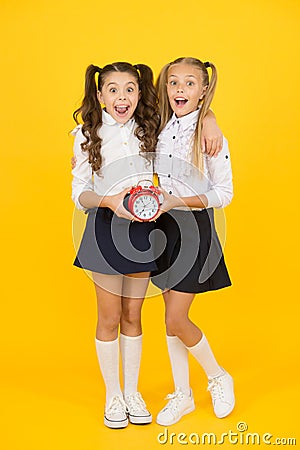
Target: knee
x=131, y=316
x=174, y=325
x=109, y=323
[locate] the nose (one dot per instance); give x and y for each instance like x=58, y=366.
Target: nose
x=122, y=96
x=179, y=88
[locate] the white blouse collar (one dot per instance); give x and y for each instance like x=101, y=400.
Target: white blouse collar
x=185, y=121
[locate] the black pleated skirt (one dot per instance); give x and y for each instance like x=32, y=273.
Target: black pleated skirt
x=189, y=256
x=112, y=245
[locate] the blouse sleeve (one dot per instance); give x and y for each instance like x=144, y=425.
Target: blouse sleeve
x=220, y=175
x=82, y=172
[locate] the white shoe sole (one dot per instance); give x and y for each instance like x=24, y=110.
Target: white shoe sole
x=140, y=420
x=221, y=416
x=166, y=424
x=115, y=423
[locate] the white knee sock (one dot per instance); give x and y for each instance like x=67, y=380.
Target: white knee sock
x=131, y=350
x=179, y=362
x=204, y=355
x=108, y=357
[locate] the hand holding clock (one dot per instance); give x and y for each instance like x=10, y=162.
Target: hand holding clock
x=143, y=202
x=115, y=203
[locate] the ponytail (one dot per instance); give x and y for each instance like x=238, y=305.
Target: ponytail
x=91, y=114
x=146, y=113
x=206, y=102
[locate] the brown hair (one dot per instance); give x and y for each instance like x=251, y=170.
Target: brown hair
x=145, y=115
x=166, y=110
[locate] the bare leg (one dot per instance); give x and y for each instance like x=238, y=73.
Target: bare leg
x=178, y=322
x=133, y=293
x=109, y=303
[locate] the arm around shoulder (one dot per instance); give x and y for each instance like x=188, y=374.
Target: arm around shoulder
x=220, y=175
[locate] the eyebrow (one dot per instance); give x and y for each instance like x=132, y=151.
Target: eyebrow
x=114, y=82
x=186, y=76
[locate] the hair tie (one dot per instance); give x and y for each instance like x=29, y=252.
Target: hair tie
x=207, y=64
x=137, y=66
x=98, y=69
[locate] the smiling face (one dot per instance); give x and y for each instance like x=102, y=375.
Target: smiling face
x=120, y=94
x=185, y=88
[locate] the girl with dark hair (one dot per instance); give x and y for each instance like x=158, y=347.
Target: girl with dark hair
x=113, y=149
x=192, y=262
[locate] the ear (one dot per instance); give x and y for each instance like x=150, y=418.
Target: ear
x=99, y=97
x=140, y=95
x=203, y=92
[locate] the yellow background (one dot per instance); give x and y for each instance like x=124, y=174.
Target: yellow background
x=51, y=390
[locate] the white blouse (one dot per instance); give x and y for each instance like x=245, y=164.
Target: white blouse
x=122, y=165
x=179, y=176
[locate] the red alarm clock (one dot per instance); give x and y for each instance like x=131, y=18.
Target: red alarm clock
x=143, y=202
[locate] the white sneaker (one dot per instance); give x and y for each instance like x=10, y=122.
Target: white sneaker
x=115, y=415
x=221, y=390
x=179, y=405
x=137, y=410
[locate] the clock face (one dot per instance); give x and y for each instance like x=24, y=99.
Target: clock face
x=145, y=206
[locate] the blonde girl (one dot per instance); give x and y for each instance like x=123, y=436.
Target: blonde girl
x=191, y=261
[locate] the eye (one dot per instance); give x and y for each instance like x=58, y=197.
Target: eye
x=113, y=90
x=190, y=83
x=173, y=83
x=130, y=89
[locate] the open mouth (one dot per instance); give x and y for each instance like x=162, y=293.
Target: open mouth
x=121, y=110
x=180, y=101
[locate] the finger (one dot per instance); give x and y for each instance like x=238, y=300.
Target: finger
x=208, y=144
x=163, y=191
x=213, y=147
x=218, y=146
x=124, y=214
x=125, y=191
x=157, y=216
x=203, y=146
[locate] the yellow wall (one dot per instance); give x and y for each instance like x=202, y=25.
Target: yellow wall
x=52, y=391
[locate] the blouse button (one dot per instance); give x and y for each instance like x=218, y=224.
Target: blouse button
x=174, y=137
x=226, y=156
x=170, y=192
x=170, y=156
x=169, y=175
x=125, y=143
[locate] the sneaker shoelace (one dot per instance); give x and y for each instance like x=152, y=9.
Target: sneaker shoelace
x=116, y=406
x=175, y=400
x=215, y=386
x=135, y=403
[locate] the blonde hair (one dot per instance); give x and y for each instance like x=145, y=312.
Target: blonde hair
x=166, y=110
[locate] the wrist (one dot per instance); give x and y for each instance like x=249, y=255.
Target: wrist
x=209, y=117
x=177, y=201
x=103, y=202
